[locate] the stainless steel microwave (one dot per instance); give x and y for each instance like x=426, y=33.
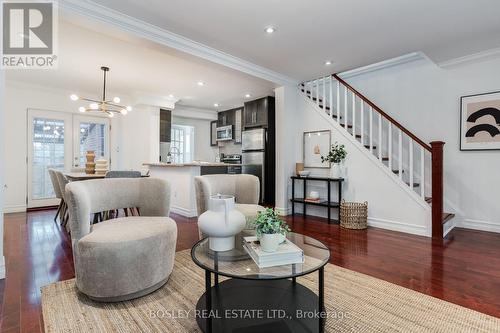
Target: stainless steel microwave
x=225, y=133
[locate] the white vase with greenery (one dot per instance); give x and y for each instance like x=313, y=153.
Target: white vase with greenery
x=270, y=229
x=336, y=156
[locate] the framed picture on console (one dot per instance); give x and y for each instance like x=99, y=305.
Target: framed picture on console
x=480, y=122
x=316, y=144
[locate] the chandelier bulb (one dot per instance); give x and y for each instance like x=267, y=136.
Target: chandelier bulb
x=116, y=99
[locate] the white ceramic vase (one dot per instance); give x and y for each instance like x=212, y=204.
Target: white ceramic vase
x=270, y=242
x=337, y=170
x=221, y=222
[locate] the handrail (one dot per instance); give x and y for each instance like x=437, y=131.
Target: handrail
x=385, y=115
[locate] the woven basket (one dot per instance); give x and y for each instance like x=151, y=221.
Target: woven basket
x=354, y=215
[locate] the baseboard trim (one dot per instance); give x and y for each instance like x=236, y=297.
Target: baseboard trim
x=14, y=209
x=283, y=211
x=183, y=211
x=2, y=267
x=480, y=225
x=398, y=226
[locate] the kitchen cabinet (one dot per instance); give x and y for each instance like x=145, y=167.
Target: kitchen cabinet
x=257, y=112
x=165, y=125
x=225, y=118
x=233, y=118
x=213, y=133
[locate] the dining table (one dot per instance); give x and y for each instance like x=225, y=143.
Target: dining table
x=78, y=176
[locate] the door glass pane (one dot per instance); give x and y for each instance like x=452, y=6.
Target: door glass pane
x=92, y=137
x=48, y=153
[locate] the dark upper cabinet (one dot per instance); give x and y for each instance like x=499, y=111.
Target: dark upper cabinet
x=225, y=118
x=256, y=113
x=165, y=125
x=213, y=133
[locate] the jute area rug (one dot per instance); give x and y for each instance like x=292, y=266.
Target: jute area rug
x=355, y=303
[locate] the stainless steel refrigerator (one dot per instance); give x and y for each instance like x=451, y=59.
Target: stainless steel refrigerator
x=253, y=156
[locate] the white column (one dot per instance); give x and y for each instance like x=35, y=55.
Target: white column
x=287, y=140
x=3, y=158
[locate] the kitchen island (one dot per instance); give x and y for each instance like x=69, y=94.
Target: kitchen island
x=181, y=178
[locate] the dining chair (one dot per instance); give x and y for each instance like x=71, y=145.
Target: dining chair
x=123, y=174
x=63, y=181
x=133, y=211
x=57, y=191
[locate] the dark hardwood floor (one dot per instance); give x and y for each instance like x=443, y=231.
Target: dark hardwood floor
x=463, y=269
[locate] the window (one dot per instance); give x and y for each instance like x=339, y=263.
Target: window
x=182, y=144
x=92, y=137
x=48, y=153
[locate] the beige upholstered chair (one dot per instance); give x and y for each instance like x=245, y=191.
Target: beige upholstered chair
x=126, y=257
x=245, y=189
x=63, y=181
x=57, y=192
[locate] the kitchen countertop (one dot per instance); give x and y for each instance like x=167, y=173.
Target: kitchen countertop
x=193, y=164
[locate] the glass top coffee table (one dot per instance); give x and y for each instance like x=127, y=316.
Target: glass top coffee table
x=257, y=299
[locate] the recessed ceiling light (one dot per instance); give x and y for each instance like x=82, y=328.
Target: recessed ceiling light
x=328, y=63
x=248, y=95
x=201, y=83
x=171, y=96
x=216, y=105
x=270, y=29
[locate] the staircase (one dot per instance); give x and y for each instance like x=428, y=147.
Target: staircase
x=416, y=164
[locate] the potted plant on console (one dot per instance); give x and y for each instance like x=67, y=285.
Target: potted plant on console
x=336, y=156
x=271, y=230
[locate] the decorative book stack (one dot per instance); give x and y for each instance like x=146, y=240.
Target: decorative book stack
x=101, y=166
x=287, y=253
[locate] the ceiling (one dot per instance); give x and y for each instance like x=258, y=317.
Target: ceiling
x=142, y=70
x=349, y=33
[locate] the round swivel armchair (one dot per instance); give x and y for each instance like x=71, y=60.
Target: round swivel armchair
x=126, y=257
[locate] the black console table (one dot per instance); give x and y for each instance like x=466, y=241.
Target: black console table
x=329, y=204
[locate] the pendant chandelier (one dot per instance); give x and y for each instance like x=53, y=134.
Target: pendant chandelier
x=108, y=107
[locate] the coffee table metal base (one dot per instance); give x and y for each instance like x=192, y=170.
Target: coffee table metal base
x=241, y=306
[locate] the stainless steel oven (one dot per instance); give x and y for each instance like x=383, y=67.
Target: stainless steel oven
x=225, y=133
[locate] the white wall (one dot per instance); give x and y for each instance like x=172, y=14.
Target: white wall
x=2, y=167
x=202, y=149
x=138, y=136
x=288, y=140
x=426, y=100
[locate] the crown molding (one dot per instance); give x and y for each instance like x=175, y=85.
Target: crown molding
x=414, y=56
x=91, y=10
x=471, y=58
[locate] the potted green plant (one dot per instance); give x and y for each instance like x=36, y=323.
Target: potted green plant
x=270, y=229
x=336, y=156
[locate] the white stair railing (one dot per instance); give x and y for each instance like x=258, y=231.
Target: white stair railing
x=386, y=139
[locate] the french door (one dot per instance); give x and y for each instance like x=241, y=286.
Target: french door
x=59, y=140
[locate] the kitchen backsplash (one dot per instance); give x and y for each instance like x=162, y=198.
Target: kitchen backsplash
x=229, y=147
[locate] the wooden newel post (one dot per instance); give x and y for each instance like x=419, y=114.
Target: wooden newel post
x=437, y=189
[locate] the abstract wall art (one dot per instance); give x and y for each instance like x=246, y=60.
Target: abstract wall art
x=480, y=122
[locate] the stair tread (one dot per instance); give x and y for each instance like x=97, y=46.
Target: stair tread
x=414, y=184
x=447, y=217
x=397, y=171
x=428, y=199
